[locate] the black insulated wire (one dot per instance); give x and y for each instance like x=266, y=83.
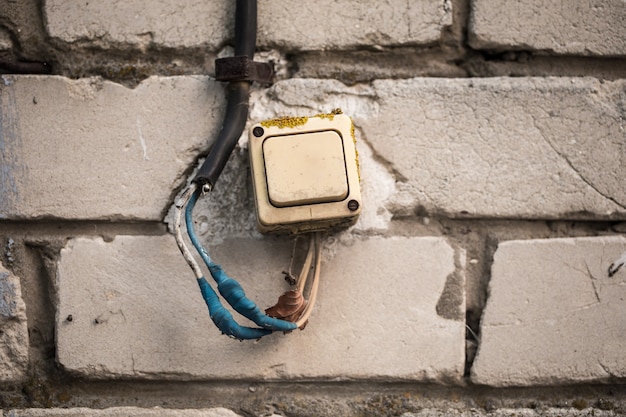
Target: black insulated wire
x=238, y=98
x=234, y=123
x=245, y=28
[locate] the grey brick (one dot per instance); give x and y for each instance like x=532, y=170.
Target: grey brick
x=499, y=147
x=595, y=27
x=330, y=24
x=120, y=22
x=13, y=329
x=121, y=412
x=221, y=412
x=137, y=311
x=292, y=24
x=92, y=149
x=553, y=316
x=514, y=412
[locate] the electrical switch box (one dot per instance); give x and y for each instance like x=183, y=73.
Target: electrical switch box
x=305, y=173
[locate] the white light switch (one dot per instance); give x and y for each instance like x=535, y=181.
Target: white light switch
x=305, y=169
x=305, y=173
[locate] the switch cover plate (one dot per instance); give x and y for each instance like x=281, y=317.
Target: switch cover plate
x=305, y=173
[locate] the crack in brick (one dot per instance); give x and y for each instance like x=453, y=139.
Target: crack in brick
x=574, y=169
x=593, y=283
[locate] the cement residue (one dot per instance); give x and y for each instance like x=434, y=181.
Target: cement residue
x=228, y=210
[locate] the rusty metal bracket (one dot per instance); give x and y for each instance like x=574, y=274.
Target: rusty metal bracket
x=242, y=68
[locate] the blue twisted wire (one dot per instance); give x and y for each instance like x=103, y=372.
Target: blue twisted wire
x=232, y=292
x=222, y=317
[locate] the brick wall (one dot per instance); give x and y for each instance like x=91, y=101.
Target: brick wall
x=493, y=168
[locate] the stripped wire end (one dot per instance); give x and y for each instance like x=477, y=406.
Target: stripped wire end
x=228, y=288
x=206, y=188
x=615, y=266
x=185, y=196
x=291, y=280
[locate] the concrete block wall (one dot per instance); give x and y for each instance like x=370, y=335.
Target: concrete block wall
x=493, y=167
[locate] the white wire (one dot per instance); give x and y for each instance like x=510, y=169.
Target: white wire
x=315, y=285
x=615, y=266
x=180, y=205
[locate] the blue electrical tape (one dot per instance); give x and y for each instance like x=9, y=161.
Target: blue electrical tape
x=232, y=292
x=222, y=317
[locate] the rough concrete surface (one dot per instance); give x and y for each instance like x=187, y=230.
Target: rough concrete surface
x=596, y=27
x=92, y=149
x=290, y=24
x=162, y=23
x=136, y=311
x=483, y=128
x=13, y=328
x=498, y=147
x=122, y=412
x=306, y=25
x=454, y=146
x=21, y=20
x=352, y=67
x=553, y=316
x=526, y=64
x=515, y=412
x=232, y=200
x=221, y=412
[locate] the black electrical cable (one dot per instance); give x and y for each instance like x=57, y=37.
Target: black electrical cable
x=238, y=98
x=232, y=127
x=245, y=28
x=234, y=123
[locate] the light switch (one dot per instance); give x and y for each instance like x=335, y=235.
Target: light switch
x=305, y=169
x=305, y=173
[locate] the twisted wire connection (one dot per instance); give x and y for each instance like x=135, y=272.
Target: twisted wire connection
x=211, y=169
x=230, y=289
x=220, y=316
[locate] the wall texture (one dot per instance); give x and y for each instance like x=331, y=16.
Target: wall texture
x=492, y=148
